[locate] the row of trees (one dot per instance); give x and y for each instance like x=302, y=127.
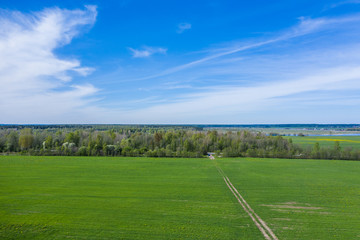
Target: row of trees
x=160, y=142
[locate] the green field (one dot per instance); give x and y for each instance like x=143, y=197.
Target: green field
x=167, y=198
x=327, y=141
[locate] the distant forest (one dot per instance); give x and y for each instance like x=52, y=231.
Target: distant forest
x=156, y=141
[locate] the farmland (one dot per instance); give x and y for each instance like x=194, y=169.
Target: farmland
x=170, y=198
x=327, y=141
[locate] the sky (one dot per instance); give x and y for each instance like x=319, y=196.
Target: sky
x=179, y=62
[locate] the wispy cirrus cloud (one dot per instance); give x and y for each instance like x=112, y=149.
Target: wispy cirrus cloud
x=33, y=79
x=183, y=27
x=241, y=103
x=338, y=4
x=305, y=27
x=298, y=61
x=147, y=51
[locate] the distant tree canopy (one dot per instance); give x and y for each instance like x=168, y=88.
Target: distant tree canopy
x=26, y=138
x=161, y=141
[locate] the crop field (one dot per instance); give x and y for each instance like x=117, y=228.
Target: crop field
x=169, y=198
x=327, y=141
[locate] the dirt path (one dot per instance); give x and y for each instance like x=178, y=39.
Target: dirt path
x=260, y=224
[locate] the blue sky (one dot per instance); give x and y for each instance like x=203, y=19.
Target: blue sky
x=180, y=62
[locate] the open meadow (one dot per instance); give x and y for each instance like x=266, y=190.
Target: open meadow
x=327, y=141
x=178, y=198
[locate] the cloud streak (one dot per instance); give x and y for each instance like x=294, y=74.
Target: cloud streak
x=335, y=5
x=207, y=105
x=306, y=26
x=183, y=27
x=307, y=64
x=147, y=51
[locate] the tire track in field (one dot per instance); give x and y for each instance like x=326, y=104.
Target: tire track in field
x=260, y=224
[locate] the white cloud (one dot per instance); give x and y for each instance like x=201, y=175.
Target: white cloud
x=35, y=83
x=183, y=27
x=147, y=51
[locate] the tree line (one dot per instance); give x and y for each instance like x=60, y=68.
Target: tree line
x=159, y=141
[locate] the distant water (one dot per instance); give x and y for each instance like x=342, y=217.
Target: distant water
x=322, y=135
x=334, y=135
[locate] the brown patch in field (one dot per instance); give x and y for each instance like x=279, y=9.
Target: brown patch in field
x=322, y=213
x=287, y=228
x=244, y=226
x=292, y=207
x=282, y=210
x=25, y=213
x=282, y=219
x=295, y=207
x=299, y=211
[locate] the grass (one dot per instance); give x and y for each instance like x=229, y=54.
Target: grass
x=327, y=141
x=301, y=199
x=117, y=198
x=163, y=198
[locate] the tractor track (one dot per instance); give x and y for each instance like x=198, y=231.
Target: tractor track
x=260, y=224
